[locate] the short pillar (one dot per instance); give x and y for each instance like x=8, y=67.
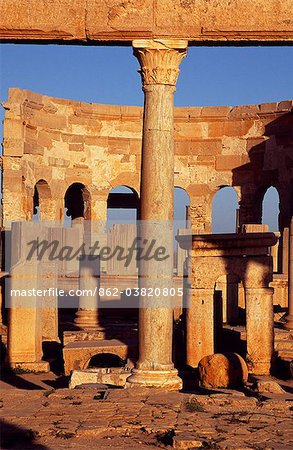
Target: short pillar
x=259, y=329
x=24, y=347
x=199, y=326
x=87, y=316
x=289, y=317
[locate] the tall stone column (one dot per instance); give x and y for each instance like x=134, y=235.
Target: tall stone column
x=159, y=62
x=289, y=317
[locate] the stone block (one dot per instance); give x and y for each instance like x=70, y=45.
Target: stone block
x=118, y=145
x=35, y=20
x=228, y=162
x=76, y=147
x=227, y=370
x=44, y=139
x=113, y=17
x=186, y=441
x=286, y=105
x=77, y=354
x=229, y=128
x=73, y=138
x=13, y=147
x=206, y=160
x=115, y=376
x=268, y=107
x=206, y=147
x=215, y=111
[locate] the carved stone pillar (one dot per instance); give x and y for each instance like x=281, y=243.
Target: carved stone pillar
x=260, y=329
x=289, y=317
x=199, y=326
x=159, y=62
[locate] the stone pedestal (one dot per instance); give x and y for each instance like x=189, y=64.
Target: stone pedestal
x=260, y=329
x=159, y=62
x=87, y=316
x=24, y=349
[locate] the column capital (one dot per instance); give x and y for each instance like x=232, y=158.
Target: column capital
x=159, y=60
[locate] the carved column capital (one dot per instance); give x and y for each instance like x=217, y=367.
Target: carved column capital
x=159, y=60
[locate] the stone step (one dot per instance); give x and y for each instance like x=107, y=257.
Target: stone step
x=109, y=331
x=280, y=334
x=284, y=344
x=78, y=354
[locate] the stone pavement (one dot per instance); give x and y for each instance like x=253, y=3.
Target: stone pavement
x=49, y=419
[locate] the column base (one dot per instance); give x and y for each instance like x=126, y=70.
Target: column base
x=87, y=319
x=165, y=379
x=35, y=367
x=289, y=322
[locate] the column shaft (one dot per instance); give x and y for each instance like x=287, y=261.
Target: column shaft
x=159, y=70
x=260, y=329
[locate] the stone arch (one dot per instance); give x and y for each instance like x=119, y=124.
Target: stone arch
x=77, y=201
x=106, y=360
x=42, y=201
x=123, y=197
x=225, y=206
x=271, y=208
x=181, y=204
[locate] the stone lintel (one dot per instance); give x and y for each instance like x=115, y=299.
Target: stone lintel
x=228, y=244
x=160, y=44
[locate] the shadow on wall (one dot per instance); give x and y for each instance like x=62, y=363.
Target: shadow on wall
x=271, y=164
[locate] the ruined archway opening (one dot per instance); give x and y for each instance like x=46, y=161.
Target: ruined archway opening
x=42, y=201
x=122, y=205
x=77, y=203
x=271, y=218
x=225, y=211
x=122, y=216
x=106, y=360
x=271, y=209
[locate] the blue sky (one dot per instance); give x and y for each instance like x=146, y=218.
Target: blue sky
x=209, y=76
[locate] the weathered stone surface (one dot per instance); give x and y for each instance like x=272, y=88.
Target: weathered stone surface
x=113, y=20
x=186, y=441
x=223, y=371
x=268, y=386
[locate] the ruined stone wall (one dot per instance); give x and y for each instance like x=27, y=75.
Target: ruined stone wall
x=62, y=142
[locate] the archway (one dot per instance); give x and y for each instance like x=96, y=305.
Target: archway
x=42, y=202
x=271, y=209
x=224, y=210
x=106, y=360
x=122, y=215
x=77, y=203
x=122, y=205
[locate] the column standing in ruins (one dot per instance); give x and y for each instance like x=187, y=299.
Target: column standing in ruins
x=159, y=62
x=289, y=317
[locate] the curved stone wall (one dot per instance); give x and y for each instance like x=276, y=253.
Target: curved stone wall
x=62, y=142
